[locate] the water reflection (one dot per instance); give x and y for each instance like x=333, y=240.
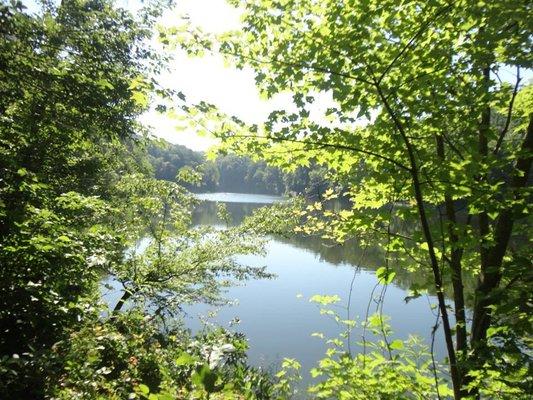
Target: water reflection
x=276, y=315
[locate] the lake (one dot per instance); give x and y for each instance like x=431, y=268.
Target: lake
x=276, y=315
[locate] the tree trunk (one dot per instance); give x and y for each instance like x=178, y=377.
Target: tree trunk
x=491, y=274
x=434, y=263
x=483, y=150
x=125, y=297
x=456, y=255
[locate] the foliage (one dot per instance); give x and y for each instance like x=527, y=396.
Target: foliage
x=76, y=197
x=388, y=368
x=169, y=262
x=384, y=369
x=67, y=130
x=60, y=244
x=432, y=145
x=167, y=159
x=231, y=173
x=131, y=358
x=241, y=174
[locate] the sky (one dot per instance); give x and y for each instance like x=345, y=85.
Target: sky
x=206, y=78
x=232, y=90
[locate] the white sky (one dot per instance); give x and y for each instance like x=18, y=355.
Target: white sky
x=206, y=78
x=232, y=90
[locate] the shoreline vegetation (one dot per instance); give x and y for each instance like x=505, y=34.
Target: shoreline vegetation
x=239, y=174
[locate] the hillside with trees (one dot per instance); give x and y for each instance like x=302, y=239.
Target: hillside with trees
x=233, y=173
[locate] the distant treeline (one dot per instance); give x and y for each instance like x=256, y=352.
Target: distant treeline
x=232, y=173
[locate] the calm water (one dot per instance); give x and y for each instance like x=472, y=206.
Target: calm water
x=276, y=315
x=239, y=198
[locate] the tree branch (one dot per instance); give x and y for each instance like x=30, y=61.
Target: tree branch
x=437, y=276
x=331, y=145
x=413, y=39
x=492, y=274
x=509, y=113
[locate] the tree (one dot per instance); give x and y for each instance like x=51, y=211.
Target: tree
x=445, y=148
x=69, y=96
x=168, y=262
x=167, y=159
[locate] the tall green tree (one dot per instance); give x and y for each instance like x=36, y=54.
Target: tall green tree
x=428, y=105
x=70, y=90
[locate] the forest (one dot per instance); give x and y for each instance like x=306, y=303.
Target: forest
x=234, y=173
x=369, y=237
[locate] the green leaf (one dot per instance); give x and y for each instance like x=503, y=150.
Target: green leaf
x=144, y=389
x=186, y=359
x=104, y=83
x=140, y=98
x=205, y=377
x=324, y=299
x=385, y=276
x=396, y=344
